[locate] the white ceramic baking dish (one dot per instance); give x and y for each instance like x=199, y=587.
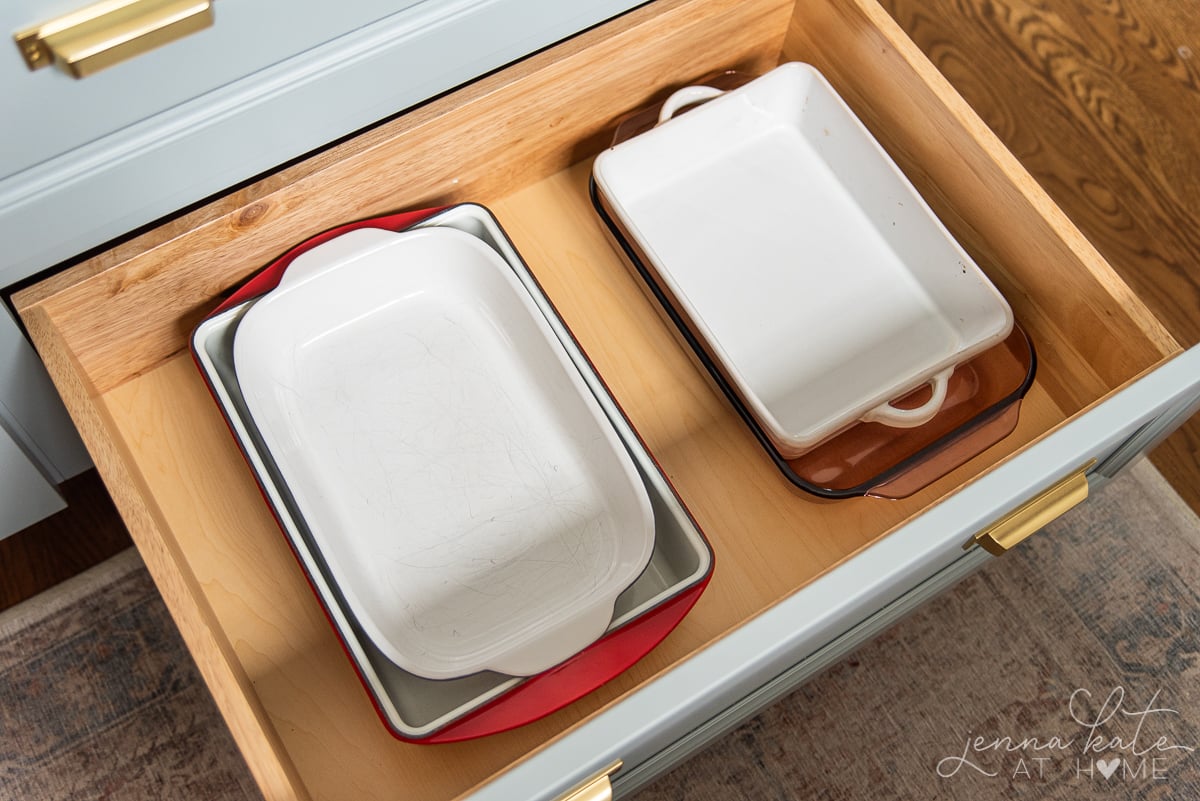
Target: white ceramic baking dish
x=822, y=282
x=434, y=711
x=475, y=508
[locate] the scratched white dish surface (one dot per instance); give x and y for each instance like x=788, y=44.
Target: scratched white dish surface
x=470, y=498
x=818, y=275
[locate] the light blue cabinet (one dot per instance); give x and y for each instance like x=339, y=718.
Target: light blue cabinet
x=85, y=161
x=39, y=448
x=26, y=494
x=247, y=37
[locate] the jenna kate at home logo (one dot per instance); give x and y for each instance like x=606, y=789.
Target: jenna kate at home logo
x=1121, y=740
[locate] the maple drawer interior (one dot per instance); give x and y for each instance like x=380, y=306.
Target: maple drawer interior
x=114, y=330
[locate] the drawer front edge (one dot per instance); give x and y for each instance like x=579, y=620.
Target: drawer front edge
x=643, y=728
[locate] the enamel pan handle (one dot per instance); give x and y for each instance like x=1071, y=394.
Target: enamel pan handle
x=334, y=252
x=269, y=277
x=889, y=415
x=687, y=96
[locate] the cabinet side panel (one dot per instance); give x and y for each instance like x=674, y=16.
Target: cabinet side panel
x=26, y=495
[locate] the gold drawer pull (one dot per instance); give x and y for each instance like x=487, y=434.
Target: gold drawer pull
x=1014, y=527
x=596, y=787
x=100, y=35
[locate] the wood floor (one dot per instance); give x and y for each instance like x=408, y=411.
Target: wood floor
x=86, y=533
x=1099, y=99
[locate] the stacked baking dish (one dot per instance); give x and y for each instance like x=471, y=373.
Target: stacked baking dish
x=485, y=531
x=861, y=343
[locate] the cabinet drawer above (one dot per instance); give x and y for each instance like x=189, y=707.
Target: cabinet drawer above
x=244, y=38
x=268, y=81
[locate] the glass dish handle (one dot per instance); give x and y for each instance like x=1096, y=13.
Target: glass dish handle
x=889, y=415
x=687, y=96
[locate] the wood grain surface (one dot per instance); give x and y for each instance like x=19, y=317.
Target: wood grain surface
x=1100, y=101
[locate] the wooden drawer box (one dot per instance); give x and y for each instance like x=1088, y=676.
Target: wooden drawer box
x=797, y=581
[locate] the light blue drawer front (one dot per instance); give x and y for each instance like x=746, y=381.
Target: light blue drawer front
x=650, y=730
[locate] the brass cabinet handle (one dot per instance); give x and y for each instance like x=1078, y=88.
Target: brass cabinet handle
x=1017, y=525
x=597, y=787
x=100, y=35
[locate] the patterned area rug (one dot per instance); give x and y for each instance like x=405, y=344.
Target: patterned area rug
x=1068, y=669
x=99, y=699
